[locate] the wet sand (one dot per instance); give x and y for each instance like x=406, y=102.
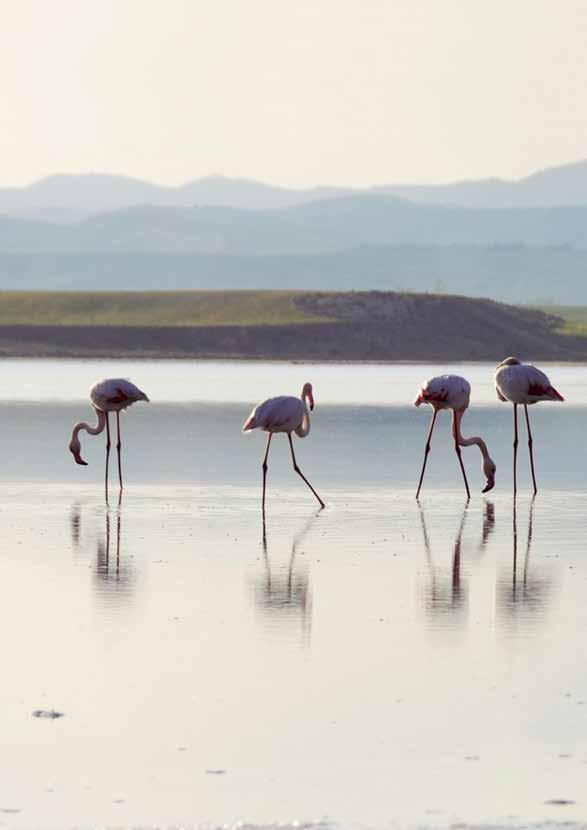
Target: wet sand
x=373, y=662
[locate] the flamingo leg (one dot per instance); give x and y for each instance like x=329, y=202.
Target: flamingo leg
x=515, y=446
x=264, y=465
x=530, y=443
x=426, y=451
x=455, y=429
x=118, y=446
x=108, y=444
x=299, y=472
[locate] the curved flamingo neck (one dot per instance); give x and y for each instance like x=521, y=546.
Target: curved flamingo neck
x=91, y=430
x=304, y=427
x=468, y=442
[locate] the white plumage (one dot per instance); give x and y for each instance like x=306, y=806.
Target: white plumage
x=108, y=395
x=282, y=414
x=286, y=414
x=445, y=392
x=453, y=392
x=115, y=394
x=522, y=383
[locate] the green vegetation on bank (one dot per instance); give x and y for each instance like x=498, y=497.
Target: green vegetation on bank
x=152, y=308
x=574, y=318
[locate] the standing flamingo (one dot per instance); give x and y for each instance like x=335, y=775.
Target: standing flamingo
x=109, y=395
x=453, y=392
x=521, y=383
x=283, y=414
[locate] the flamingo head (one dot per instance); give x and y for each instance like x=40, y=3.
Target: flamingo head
x=307, y=393
x=509, y=361
x=75, y=449
x=489, y=470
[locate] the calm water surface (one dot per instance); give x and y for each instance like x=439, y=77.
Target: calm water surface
x=372, y=663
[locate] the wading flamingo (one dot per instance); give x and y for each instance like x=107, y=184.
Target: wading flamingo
x=453, y=392
x=523, y=384
x=109, y=395
x=283, y=414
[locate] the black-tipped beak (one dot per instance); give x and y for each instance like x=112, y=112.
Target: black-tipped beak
x=79, y=460
x=489, y=486
x=311, y=407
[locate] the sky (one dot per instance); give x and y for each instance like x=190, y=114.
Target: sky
x=334, y=92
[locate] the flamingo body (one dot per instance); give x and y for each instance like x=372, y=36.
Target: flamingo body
x=108, y=395
x=445, y=392
x=115, y=394
x=286, y=414
x=282, y=414
x=522, y=383
x=453, y=392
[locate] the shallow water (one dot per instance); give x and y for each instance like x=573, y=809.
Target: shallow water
x=374, y=663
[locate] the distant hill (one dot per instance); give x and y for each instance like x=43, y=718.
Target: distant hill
x=515, y=274
x=556, y=186
x=302, y=326
x=67, y=198
x=317, y=227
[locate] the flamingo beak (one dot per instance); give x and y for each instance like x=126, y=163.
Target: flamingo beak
x=78, y=459
x=311, y=399
x=489, y=486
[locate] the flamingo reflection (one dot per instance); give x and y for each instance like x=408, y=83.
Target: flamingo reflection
x=519, y=591
x=283, y=593
x=443, y=595
x=111, y=571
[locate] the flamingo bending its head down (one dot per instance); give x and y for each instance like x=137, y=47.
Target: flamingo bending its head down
x=109, y=395
x=283, y=414
x=453, y=392
x=523, y=384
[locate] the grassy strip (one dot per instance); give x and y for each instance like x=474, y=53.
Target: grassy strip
x=152, y=308
x=574, y=317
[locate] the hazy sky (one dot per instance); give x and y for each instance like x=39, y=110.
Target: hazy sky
x=351, y=92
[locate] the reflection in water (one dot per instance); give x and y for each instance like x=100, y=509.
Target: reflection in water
x=283, y=594
x=443, y=594
x=75, y=521
x=519, y=592
x=113, y=573
x=447, y=594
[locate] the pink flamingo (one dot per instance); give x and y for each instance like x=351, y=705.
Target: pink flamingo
x=453, y=392
x=521, y=383
x=109, y=395
x=283, y=414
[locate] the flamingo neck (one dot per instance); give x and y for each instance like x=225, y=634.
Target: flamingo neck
x=304, y=427
x=468, y=442
x=91, y=430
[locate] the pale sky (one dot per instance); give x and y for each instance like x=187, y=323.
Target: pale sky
x=345, y=92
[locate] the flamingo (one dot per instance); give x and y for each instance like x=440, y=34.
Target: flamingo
x=283, y=414
x=523, y=384
x=108, y=395
x=453, y=392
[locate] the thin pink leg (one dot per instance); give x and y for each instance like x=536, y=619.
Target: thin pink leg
x=515, y=446
x=530, y=444
x=455, y=429
x=426, y=451
x=299, y=472
x=107, y=457
x=264, y=465
x=118, y=446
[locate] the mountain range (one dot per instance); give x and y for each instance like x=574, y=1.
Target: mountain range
x=70, y=197
x=92, y=232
